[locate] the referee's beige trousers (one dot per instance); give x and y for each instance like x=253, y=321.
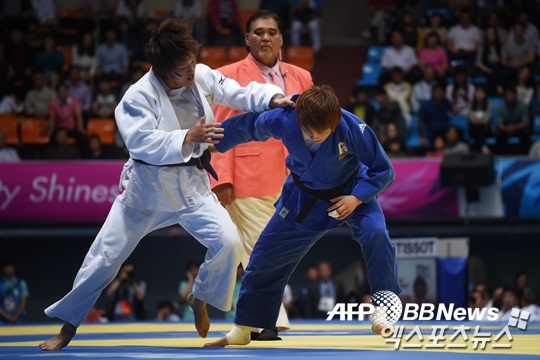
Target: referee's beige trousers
x=251, y=214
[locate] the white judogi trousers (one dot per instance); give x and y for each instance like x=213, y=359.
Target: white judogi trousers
x=251, y=214
x=125, y=226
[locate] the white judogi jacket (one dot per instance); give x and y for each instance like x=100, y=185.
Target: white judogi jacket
x=151, y=131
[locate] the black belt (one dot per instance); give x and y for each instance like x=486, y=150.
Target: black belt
x=202, y=162
x=326, y=195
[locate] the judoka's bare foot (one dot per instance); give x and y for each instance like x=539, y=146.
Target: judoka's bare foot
x=61, y=340
x=202, y=321
x=377, y=328
x=239, y=335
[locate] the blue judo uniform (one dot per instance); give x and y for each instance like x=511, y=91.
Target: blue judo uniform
x=287, y=237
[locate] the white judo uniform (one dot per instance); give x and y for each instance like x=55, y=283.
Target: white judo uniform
x=153, y=122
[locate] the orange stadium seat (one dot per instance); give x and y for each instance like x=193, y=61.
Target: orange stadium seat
x=75, y=13
x=213, y=56
x=68, y=56
x=34, y=131
x=301, y=56
x=237, y=53
x=8, y=125
x=158, y=14
x=104, y=128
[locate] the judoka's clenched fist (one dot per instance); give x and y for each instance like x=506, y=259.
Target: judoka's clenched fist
x=204, y=133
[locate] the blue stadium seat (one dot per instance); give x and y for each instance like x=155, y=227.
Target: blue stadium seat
x=370, y=75
x=445, y=13
x=374, y=54
x=461, y=122
x=413, y=139
x=536, y=124
x=495, y=102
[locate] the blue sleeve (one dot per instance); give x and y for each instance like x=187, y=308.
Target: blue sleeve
x=248, y=127
x=380, y=173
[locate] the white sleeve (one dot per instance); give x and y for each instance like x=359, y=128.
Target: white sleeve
x=254, y=97
x=137, y=121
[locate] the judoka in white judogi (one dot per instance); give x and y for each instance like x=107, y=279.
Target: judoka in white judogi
x=153, y=121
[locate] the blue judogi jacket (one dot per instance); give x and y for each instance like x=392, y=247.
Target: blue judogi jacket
x=351, y=146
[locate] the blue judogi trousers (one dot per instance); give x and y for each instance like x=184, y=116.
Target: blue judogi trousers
x=282, y=245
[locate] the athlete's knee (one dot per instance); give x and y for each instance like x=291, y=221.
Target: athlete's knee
x=230, y=240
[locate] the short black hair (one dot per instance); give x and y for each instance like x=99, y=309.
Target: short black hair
x=170, y=46
x=264, y=14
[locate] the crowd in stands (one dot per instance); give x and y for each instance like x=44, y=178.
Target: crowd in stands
x=124, y=298
x=451, y=77
x=68, y=67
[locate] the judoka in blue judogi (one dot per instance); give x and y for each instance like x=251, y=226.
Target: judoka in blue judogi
x=329, y=160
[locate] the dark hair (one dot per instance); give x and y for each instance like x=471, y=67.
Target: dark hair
x=433, y=34
x=165, y=304
x=318, y=109
x=81, y=49
x=264, y=14
x=476, y=105
x=170, y=46
x=192, y=263
x=8, y=261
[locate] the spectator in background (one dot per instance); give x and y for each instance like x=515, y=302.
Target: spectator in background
x=112, y=58
x=79, y=90
x=126, y=295
x=84, y=56
x=13, y=102
x=223, y=20
x=525, y=86
x=412, y=33
x=307, y=308
x=400, y=90
x=382, y=12
x=454, y=143
x=494, y=22
x=479, y=118
x=324, y=296
x=128, y=36
x=65, y=112
x=130, y=9
x=516, y=53
x=510, y=299
x=529, y=302
x=360, y=105
x=437, y=147
x=282, y=8
x=13, y=294
x=460, y=92
x=3, y=70
x=421, y=91
x=488, y=60
x=37, y=100
x=7, y=154
x=306, y=15
x=96, y=150
x=165, y=312
x=49, y=60
x=105, y=102
x=191, y=12
x=136, y=74
x=436, y=25
x=433, y=115
x=512, y=121
x=59, y=147
x=530, y=31
x=185, y=288
x=389, y=112
x=101, y=11
x=19, y=57
x=521, y=280
x=434, y=55
x=464, y=41
x=399, y=55
x=392, y=142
